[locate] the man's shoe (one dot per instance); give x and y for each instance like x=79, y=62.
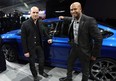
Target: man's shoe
x=2, y=70
x=65, y=79
x=37, y=78
x=44, y=75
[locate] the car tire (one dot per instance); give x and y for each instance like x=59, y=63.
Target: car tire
x=9, y=52
x=103, y=69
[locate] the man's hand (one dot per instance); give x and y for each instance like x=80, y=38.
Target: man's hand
x=61, y=17
x=26, y=54
x=93, y=58
x=50, y=41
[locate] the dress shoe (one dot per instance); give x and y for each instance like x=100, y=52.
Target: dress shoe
x=65, y=79
x=37, y=78
x=44, y=75
x=2, y=70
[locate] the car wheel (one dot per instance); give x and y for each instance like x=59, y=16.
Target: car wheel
x=9, y=52
x=103, y=69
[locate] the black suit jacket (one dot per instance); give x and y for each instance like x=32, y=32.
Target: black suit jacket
x=89, y=36
x=28, y=35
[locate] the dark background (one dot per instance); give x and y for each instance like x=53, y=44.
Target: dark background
x=103, y=10
x=55, y=8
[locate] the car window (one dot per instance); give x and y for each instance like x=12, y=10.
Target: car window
x=57, y=29
x=51, y=27
x=61, y=30
x=106, y=33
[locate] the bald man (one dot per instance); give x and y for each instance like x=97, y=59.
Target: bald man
x=85, y=40
x=32, y=31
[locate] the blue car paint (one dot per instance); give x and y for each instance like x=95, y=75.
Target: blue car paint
x=57, y=53
x=110, y=41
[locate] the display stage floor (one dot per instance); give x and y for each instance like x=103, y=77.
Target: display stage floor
x=21, y=72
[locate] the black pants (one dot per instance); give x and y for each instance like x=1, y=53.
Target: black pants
x=84, y=60
x=36, y=54
x=2, y=61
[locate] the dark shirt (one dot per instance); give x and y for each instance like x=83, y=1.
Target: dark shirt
x=37, y=35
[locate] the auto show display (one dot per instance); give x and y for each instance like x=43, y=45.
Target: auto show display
x=56, y=54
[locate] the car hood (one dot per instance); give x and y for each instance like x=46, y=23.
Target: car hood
x=11, y=34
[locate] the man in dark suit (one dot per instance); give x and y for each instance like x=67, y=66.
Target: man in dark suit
x=32, y=32
x=85, y=39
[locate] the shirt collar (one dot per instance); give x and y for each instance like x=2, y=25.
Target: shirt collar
x=79, y=18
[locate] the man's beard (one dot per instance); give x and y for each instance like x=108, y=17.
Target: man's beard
x=76, y=16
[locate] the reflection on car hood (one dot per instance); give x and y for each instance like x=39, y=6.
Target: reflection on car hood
x=110, y=41
x=11, y=34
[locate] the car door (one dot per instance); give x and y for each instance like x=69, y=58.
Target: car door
x=58, y=52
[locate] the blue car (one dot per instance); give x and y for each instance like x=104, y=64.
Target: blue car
x=56, y=54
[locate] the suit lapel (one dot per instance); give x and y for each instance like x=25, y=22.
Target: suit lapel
x=71, y=25
x=81, y=25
